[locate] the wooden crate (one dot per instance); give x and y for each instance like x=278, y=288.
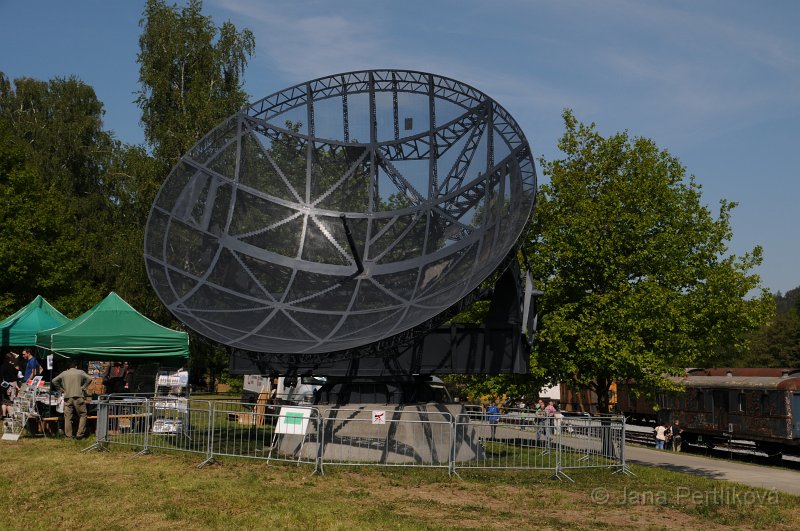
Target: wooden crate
x=256, y=418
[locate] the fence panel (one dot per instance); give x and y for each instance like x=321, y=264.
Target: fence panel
x=123, y=420
x=591, y=442
x=514, y=439
x=281, y=433
x=179, y=424
x=362, y=436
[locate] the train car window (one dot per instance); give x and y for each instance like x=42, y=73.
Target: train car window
x=721, y=400
x=701, y=406
x=741, y=402
x=713, y=409
x=765, y=403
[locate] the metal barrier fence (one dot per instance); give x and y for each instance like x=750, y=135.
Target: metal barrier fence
x=260, y=432
x=505, y=441
x=454, y=438
x=356, y=436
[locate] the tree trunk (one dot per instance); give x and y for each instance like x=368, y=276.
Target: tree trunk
x=602, y=386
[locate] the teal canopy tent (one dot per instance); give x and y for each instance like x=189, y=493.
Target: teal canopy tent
x=113, y=330
x=20, y=328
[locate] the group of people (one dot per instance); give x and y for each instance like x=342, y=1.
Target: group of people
x=548, y=410
x=16, y=372
x=668, y=434
x=541, y=412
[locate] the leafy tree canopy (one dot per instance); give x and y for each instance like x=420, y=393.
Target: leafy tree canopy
x=777, y=342
x=788, y=301
x=55, y=199
x=636, y=274
x=191, y=75
x=73, y=200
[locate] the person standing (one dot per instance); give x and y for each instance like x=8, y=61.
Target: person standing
x=8, y=383
x=661, y=436
x=114, y=379
x=558, y=418
x=32, y=367
x=73, y=383
x=493, y=416
x=550, y=412
x=675, y=436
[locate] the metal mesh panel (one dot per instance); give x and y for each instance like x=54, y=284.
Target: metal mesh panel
x=243, y=430
x=518, y=439
x=123, y=421
x=399, y=438
x=433, y=179
x=592, y=442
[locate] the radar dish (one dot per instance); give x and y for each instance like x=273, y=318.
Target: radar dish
x=339, y=212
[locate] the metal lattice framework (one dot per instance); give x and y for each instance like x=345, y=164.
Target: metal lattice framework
x=340, y=212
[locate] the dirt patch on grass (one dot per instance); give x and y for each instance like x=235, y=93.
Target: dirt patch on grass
x=472, y=505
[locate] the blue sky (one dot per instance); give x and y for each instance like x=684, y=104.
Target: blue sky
x=717, y=82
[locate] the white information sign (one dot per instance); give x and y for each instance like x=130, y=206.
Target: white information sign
x=379, y=417
x=293, y=421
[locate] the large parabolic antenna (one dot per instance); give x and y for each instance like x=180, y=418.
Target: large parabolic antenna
x=339, y=212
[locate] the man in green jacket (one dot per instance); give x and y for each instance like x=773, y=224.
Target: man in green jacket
x=73, y=383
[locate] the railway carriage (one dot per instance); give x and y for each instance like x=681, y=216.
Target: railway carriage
x=714, y=409
x=761, y=405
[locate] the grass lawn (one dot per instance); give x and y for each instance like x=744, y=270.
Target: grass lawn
x=55, y=486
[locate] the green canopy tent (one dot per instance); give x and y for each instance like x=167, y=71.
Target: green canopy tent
x=113, y=330
x=20, y=328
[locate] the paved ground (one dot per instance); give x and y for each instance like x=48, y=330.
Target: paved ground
x=783, y=480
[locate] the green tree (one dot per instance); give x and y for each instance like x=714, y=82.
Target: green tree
x=777, y=343
x=133, y=180
x=59, y=125
x=637, y=278
x=190, y=73
x=191, y=76
x=788, y=301
x=56, y=199
x=36, y=252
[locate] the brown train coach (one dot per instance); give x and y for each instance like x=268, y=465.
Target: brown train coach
x=762, y=409
x=640, y=409
x=758, y=405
